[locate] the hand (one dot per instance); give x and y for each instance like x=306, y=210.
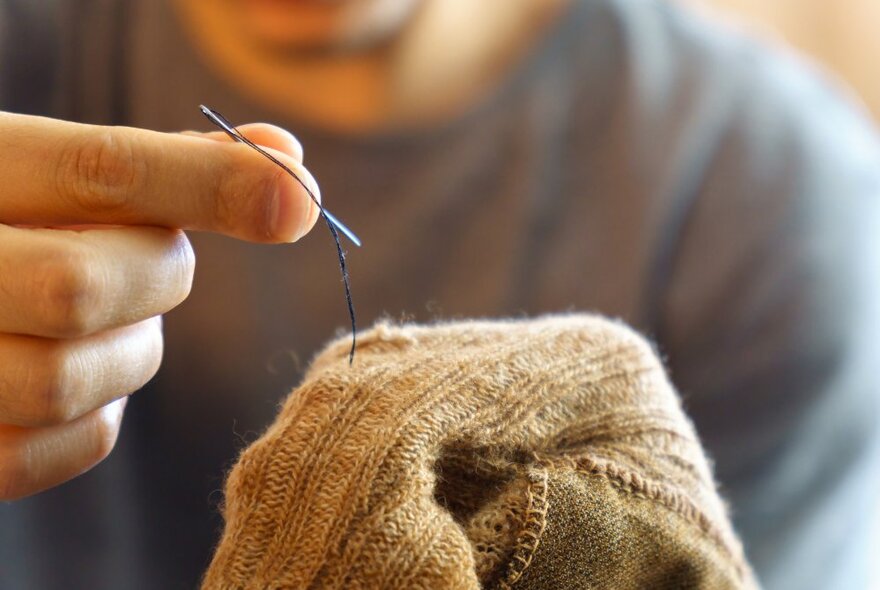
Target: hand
x=92, y=252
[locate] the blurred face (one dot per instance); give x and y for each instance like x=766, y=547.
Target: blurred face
x=320, y=25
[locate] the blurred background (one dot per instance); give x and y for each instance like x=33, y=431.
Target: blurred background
x=842, y=36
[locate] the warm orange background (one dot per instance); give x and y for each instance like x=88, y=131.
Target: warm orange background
x=844, y=35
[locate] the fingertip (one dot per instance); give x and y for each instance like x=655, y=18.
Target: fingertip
x=36, y=459
x=262, y=134
x=112, y=414
x=108, y=422
x=257, y=198
x=274, y=137
x=295, y=209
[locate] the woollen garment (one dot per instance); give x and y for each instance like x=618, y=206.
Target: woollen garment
x=535, y=454
x=641, y=161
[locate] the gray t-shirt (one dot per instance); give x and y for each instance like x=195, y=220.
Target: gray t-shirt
x=639, y=162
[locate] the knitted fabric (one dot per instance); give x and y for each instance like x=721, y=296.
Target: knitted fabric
x=550, y=453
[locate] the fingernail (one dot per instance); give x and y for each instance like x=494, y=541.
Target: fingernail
x=293, y=209
x=294, y=148
x=286, y=227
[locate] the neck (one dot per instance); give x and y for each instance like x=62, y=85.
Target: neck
x=447, y=56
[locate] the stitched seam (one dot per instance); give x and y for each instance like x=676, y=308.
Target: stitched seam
x=420, y=407
x=533, y=528
x=414, y=408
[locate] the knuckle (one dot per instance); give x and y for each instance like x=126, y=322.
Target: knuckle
x=55, y=400
x=43, y=385
x=100, y=173
x=69, y=292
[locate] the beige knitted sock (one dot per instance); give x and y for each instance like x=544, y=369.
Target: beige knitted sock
x=549, y=453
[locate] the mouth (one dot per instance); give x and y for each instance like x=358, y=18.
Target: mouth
x=289, y=3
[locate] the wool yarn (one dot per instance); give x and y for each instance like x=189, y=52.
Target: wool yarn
x=533, y=454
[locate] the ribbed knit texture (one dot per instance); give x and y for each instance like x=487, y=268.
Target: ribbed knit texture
x=549, y=453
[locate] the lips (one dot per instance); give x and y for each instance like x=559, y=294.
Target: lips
x=288, y=3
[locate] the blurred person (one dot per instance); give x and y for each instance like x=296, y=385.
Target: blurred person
x=497, y=158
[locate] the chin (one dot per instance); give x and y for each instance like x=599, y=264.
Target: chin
x=322, y=25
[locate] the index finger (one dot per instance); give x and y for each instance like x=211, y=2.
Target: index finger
x=61, y=173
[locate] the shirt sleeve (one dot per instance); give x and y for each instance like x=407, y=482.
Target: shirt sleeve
x=770, y=314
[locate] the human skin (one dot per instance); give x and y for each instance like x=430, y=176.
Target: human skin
x=318, y=26
x=92, y=252
x=91, y=247
x=409, y=63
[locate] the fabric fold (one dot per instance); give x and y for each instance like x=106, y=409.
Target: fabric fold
x=535, y=454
